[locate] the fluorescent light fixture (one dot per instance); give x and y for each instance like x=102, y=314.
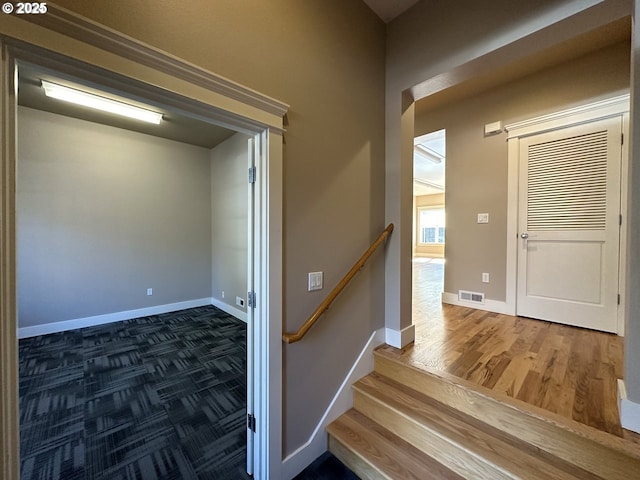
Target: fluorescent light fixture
x=428, y=153
x=90, y=100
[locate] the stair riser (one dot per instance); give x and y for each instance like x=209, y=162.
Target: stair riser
x=605, y=462
x=442, y=449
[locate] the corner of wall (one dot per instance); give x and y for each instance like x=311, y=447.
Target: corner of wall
x=400, y=338
x=342, y=401
x=230, y=309
x=629, y=410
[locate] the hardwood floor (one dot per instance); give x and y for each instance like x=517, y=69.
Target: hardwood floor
x=566, y=370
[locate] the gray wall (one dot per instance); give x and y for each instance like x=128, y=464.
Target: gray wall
x=229, y=213
x=104, y=214
x=477, y=165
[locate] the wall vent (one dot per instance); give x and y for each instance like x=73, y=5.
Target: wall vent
x=475, y=297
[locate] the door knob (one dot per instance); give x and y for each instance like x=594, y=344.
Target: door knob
x=524, y=235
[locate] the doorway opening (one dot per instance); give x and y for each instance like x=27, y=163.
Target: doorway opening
x=164, y=85
x=429, y=164
x=128, y=237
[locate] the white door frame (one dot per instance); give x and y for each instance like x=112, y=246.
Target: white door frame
x=613, y=107
x=198, y=93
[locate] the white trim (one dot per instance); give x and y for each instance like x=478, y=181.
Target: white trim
x=61, y=20
x=488, y=305
x=230, y=309
x=624, y=208
x=610, y=107
x=63, y=326
x=253, y=146
x=267, y=324
x=615, y=106
x=629, y=411
x=513, y=166
x=341, y=402
x=402, y=338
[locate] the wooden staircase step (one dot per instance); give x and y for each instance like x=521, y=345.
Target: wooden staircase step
x=605, y=456
x=373, y=452
x=468, y=447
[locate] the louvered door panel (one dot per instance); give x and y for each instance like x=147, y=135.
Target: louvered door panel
x=567, y=184
x=568, y=207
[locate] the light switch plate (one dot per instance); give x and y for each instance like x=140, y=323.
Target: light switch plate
x=315, y=281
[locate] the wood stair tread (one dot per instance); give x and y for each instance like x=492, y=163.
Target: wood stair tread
x=605, y=455
x=375, y=452
x=627, y=446
x=509, y=457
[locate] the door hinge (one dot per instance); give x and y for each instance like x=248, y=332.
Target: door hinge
x=620, y=219
x=251, y=299
x=252, y=174
x=618, y=299
x=251, y=422
x=622, y=139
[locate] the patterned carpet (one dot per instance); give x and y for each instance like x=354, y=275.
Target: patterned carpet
x=160, y=397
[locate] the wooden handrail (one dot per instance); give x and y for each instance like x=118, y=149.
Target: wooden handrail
x=324, y=306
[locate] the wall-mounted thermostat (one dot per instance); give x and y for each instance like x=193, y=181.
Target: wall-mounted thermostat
x=493, y=128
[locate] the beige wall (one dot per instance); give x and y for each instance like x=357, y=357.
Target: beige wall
x=326, y=60
x=477, y=165
x=435, y=200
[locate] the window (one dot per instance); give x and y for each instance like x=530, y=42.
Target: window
x=431, y=225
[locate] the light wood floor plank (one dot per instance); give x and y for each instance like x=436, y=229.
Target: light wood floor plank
x=566, y=370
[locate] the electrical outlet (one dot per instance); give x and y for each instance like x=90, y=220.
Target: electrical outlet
x=240, y=302
x=149, y=291
x=483, y=218
x=485, y=278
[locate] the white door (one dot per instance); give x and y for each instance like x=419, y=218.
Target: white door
x=252, y=145
x=568, y=225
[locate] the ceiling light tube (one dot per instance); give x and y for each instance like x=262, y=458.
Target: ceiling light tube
x=90, y=100
x=427, y=153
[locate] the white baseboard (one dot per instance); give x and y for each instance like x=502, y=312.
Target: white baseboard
x=231, y=310
x=402, y=338
x=629, y=411
x=488, y=305
x=297, y=461
x=55, y=327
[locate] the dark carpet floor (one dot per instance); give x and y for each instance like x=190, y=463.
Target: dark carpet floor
x=160, y=397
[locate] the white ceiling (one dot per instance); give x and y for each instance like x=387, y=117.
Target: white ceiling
x=387, y=10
